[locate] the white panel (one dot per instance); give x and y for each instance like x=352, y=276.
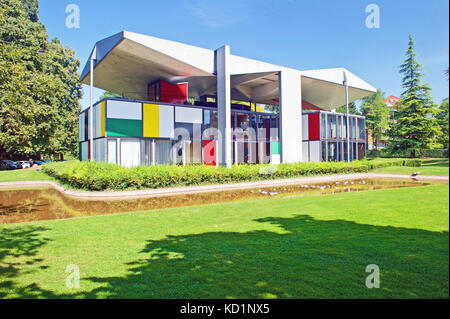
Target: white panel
x=112, y=151
x=166, y=124
x=291, y=116
x=305, y=128
x=124, y=110
x=97, y=120
x=188, y=115
x=81, y=127
x=305, y=151
x=84, y=151
x=314, y=151
x=275, y=159
x=130, y=153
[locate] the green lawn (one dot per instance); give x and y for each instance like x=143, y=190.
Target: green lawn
x=23, y=175
x=292, y=247
x=429, y=167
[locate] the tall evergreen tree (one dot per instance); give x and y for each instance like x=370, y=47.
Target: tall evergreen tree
x=39, y=88
x=442, y=118
x=416, y=126
x=377, y=115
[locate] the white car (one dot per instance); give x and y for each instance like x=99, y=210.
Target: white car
x=24, y=164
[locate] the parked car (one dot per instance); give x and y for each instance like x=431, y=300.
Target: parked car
x=38, y=162
x=10, y=164
x=24, y=164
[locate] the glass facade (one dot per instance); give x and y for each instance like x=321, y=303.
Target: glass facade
x=183, y=131
x=333, y=137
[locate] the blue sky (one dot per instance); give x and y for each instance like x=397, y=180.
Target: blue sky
x=298, y=34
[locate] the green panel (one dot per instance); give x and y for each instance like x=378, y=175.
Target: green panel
x=121, y=127
x=275, y=148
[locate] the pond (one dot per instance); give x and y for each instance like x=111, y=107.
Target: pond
x=26, y=205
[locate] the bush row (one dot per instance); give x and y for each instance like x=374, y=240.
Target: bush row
x=386, y=153
x=97, y=176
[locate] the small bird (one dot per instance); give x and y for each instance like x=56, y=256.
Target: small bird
x=415, y=174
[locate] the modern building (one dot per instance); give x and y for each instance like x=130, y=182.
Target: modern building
x=184, y=104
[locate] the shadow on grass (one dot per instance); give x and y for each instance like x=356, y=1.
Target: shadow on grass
x=20, y=246
x=436, y=163
x=310, y=258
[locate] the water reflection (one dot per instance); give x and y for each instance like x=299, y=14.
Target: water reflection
x=47, y=203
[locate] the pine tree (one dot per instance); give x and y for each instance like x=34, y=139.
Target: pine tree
x=442, y=118
x=416, y=127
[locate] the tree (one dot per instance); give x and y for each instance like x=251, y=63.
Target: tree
x=108, y=94
x=39, y=88
x=377, y=115
x=416, y=127
x=442, y=118
x=352, y=109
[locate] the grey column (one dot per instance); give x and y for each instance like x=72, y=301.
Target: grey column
x=290, y=94
x=223, y=106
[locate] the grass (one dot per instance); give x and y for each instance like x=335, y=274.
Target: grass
x=429, y=167
x=23, y=175
x=292, y=247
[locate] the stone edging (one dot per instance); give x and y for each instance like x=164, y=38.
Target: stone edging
x=183, y=190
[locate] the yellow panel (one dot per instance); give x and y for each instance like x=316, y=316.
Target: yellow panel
x=151, y=120
x=102, y=119
x=260, y=109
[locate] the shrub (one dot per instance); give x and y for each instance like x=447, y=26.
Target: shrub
x=97, y=176
x=387, y=153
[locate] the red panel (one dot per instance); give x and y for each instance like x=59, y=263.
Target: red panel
x=314, y=126
x=209, y=153
x=89, y=149
x=309, y=106
x=173, y=93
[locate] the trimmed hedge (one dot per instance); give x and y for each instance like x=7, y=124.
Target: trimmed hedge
x=385, y=153
x=95, y=176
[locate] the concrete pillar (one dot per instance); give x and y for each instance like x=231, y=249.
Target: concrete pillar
x=223, y=106
x=290, y=95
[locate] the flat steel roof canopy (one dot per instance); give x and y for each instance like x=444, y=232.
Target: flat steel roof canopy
x=127, y=62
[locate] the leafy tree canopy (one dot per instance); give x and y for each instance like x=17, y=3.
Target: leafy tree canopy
x=39, y=87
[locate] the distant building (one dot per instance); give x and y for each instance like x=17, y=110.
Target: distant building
x=392, y=100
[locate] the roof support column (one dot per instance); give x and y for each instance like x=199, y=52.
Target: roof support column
x=290, y=96
x=91, y=104
x=223, y=106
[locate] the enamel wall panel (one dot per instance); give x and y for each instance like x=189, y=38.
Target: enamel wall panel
x=166, y=121
x=151, y=120
x=188, y=115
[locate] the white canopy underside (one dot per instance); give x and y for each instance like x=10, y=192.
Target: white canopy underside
x=127, y=62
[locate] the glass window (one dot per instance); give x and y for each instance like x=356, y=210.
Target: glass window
x=147, y=153
x=163, y=151
x=274, y=128
x=332, y=151
x=331, y=125
x=361, y=129
x=324, y=151
x=99, y=150
x=323, y=125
